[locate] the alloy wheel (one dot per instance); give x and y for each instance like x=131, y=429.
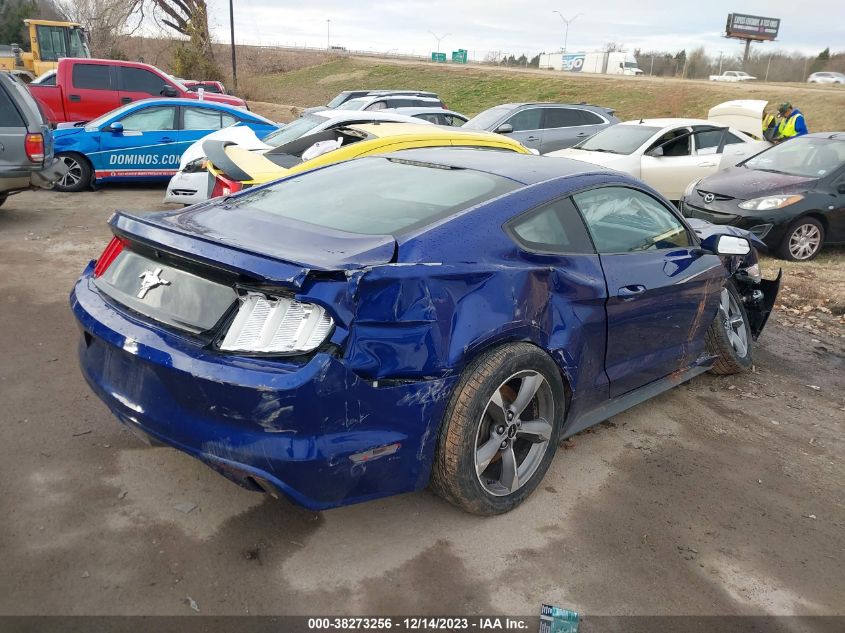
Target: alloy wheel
x=74, y=172
x=514, y=433
x=734, y=323
x=804, y=241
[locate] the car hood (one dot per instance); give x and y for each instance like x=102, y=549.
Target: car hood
x=743, y=183
x=745, y=115
x=605, y=159
x=242, y=135
x=64, y=130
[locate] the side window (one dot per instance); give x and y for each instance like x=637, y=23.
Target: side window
x=675, y=143
x=707, y=141
x=454, y=121
x=378, y=105
x=91, y=76
x=623, y=220
x=9, y=115
x=555, y=227
x=205, y=119
x=562, y=117
x=529, y=119
x=431, y=118
x=140, y=80
x=732, y=139
x=150, y=119
x=591, y=118
x=51, y=42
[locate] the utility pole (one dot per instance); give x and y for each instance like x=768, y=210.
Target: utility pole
x=567, y=23
x=328, y=35
x=234, y=59
x=720, y=62
x=768, y=66
x=439, y=39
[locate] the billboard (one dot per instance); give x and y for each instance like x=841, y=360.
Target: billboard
x=751, y=27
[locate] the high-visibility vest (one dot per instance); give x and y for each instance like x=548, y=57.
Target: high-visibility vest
x=786, y=129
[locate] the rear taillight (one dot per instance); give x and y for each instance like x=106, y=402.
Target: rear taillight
x=224, y=187
x=267, y=324
x=109, y=255
x=34, y=146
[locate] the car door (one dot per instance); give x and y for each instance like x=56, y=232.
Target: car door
x=563, y=127
x=836, y=211
x=663, y=290
x=670, y=163
x=146, y=147
x=198, y=121
x=527, y=127
x=139, y=83
x=92, y=91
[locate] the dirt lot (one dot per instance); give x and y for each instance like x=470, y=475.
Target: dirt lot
x=723, y=496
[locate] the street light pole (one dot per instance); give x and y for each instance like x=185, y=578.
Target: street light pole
x=567, y=23
x=439, y=39
x=234, y=60
x=328, y=35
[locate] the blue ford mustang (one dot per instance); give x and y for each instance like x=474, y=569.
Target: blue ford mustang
x=439, y=316
x=142, y=141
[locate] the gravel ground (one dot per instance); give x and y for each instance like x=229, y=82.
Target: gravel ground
x=722, y=496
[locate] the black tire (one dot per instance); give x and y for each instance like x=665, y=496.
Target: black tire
x=469, y=422
x=729, y=359
x=79, y=174
x=789, y=248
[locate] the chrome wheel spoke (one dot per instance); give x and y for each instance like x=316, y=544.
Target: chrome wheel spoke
x=485, y=454
x=530, y=385
x=496, y=408
x=510, y=470
x=535, y=431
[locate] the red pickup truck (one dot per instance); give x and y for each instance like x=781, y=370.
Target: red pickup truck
x=83, y=89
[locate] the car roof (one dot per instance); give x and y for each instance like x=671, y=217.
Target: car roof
x=379, y=97
x=525, y=168
x=548, y=103
x=677, y=122
x=423, y=110
x=836, y=136
x=384, y=130
x=377, y=115
x=183, y=101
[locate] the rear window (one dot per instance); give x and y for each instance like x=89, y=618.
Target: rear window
x=9, y=115
x=376, y=196
x=91, y=76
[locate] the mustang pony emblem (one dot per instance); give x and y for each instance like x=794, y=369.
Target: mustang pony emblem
x=150, y=279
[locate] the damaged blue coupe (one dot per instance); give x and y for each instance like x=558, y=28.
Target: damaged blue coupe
x=432, y=317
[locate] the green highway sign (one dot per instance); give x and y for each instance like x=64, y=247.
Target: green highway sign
x=459, y=56
x=438, y=57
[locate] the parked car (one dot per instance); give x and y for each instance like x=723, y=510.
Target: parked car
x=732, y=76
x=827, y=77
x=388, y=102
x=87, y=88
x=26, y=141
x=436, y=317
x=346, y=95
x=668, y=154
x=792, y=196
x=235, y=168
x=545, y=127
x=193, y=182
x=142, y=141
x=438, y=116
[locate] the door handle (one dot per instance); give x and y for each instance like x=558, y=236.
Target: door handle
x=706, y=164
x=167, y=139
x=126, y=99
x=582, y=134
x=533, y=138
x=628, y=292
x=74, y=98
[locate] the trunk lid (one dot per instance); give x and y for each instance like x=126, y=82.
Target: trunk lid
x=745, y=115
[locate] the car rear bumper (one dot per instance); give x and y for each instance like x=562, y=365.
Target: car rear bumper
x=23, y=178
x=189, y=188
x=306, y=430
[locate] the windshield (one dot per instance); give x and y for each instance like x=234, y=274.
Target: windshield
x=108, y=116
x=630, y=64
x=293, y=130
x=341, y=98
x=78, y=45
x=375, y=196
x=802, y=156
x=487, y=119
x=619, y=139
x=354, y=104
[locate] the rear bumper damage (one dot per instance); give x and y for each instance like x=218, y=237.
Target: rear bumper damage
x=313, y=431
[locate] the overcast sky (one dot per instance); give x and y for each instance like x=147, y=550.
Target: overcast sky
x=526, y=26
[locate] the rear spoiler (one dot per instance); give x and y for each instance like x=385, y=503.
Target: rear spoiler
x=216, y=153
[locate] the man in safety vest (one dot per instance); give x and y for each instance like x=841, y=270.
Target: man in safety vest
x=792, y=122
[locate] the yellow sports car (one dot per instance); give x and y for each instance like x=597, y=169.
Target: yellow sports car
x=235, y=168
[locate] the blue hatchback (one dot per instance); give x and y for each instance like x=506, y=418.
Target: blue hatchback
x=439, y=316
x=142, y=141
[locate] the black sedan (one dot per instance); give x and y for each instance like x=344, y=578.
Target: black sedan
x=792, y=195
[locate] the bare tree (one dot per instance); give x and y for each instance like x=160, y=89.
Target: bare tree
x=188, y=17
x=106, y=21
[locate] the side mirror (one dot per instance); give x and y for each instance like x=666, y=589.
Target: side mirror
x=731, y=245
x=168, y=91
x=116, y=127
x=841, y=188
x=657, y=152
x=505, y=128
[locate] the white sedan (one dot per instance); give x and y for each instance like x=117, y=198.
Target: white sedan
x=668, y=154
x=193, y=183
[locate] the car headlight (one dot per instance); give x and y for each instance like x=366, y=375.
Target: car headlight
x=196, y=165
x=691, y=187
x=268, y=324
x=770, y=202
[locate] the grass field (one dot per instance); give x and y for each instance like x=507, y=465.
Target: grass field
x=472, y=89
